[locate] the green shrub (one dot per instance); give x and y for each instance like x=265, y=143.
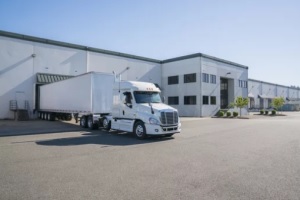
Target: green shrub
x=266, y=112
x=228, y=114
x=273, y=112
x=221, y=114
x=235, y=114
x=261, y=112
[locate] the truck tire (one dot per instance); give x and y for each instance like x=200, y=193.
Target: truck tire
x=106, y=124
x=52, y=116
x=91, y=125
x=140, y=130
x=48, y=117
x=68, y=117
x=83, y=122
x=43, y=116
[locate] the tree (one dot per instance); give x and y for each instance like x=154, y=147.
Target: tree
x=241, y=102
x=278, y=102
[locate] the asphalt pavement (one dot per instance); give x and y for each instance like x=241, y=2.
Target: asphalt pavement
x=256, y=158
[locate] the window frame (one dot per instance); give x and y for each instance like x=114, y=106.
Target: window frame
x=215, y=100
x=205, y=77
x=172, y=78
x=203, y=100
x=192, y=101
x=190, y=78
x=213, y=79
x=175, y=102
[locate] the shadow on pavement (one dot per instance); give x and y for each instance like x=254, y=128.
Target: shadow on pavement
x=113, y=138
x=14, y=128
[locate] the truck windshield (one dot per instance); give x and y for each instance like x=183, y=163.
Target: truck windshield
x=147, y=97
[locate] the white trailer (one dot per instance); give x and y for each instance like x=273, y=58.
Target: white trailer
x=99, y=99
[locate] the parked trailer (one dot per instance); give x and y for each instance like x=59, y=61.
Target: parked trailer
x=99, y=99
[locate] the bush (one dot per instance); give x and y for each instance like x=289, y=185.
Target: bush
x=228, y=114
x=221, y=114
x=235, y=114
x=266, y=112
x=261, y=112
x=273, y=112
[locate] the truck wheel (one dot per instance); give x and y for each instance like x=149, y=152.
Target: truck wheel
x=106, y=124
x=68, y=117
x=43, y=116
x=83, y=122
x=140, y=130
x=52, y=117
x=48, y=117
x=90, y=123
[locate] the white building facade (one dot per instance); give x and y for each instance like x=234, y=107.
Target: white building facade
x=197, y=85
x=261, y=95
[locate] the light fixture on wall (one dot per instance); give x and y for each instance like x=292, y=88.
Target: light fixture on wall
x=33, y=55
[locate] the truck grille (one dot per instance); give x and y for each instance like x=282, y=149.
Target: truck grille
x=169, y=118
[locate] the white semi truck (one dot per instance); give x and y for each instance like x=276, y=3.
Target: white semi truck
x=100, y=100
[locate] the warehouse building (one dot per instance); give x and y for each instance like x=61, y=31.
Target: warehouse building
x=261, y=95
x=197, y=85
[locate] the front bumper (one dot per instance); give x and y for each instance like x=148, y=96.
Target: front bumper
x=153, y=129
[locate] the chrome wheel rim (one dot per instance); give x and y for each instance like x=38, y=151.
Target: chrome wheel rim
x=105, y=123
x=139, y=130
x=82, y=121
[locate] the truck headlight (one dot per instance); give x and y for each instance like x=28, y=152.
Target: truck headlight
x=153, y=121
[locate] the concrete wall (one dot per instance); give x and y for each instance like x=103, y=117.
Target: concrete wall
x=222, y=70
x=181, y=67
x=200, y=65
x=269, y=91
x=139, y=70
x=21, y=60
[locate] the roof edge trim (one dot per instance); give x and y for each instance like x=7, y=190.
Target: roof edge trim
x=74, y=46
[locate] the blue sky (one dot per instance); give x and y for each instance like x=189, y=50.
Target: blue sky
x=261, y=34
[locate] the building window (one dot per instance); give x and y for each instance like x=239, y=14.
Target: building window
x=243, y=84
x=172, y=80
x=213, y=79
x=173, y=100
x=205, y=100
x=189, y=78
x=190, y=100
x=205, y=78
x=213, y=100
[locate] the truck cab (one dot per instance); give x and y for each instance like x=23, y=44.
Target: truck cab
x=138, y=108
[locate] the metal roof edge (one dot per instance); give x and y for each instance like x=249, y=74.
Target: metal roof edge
x=254, y=80
x=74, y=46
x=224, y=61
x=181, y=58
x=205, y=56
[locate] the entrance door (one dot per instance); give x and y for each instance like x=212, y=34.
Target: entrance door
x=224, y=93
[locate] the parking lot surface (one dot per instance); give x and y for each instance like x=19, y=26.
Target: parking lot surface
x=256, y=158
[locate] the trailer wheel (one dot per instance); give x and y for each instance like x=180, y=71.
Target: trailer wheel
x=140, y=130
x=83, y=122
x=48, y=116
x=52, y=116
x=106, y=124
x=91, y=125
x=43, y=116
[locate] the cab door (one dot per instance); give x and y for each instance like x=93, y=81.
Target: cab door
x=127, y=110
